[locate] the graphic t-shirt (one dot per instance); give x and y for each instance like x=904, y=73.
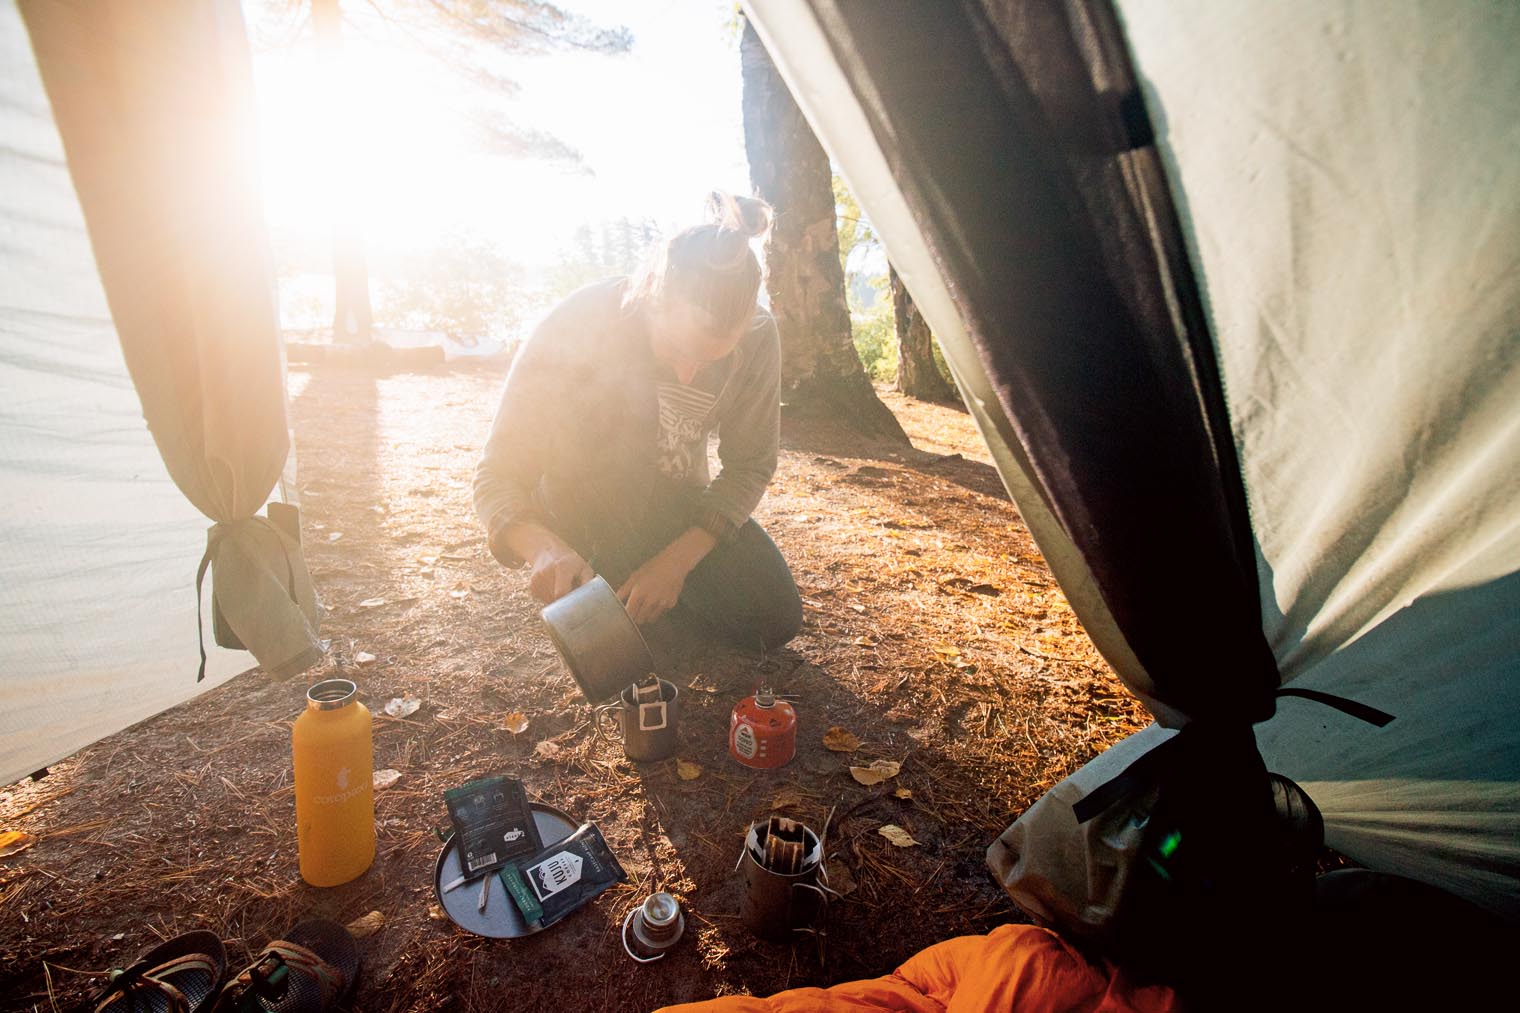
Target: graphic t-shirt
x=681, y=447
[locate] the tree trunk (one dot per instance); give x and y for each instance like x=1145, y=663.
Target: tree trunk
x=352, y=315
x=820, y=369
x=917, y=373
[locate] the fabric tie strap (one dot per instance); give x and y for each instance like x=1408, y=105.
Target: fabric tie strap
x=214, y=539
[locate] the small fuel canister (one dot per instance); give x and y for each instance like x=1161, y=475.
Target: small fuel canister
x=763, y=731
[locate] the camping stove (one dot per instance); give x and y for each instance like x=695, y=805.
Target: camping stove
x=763, y=731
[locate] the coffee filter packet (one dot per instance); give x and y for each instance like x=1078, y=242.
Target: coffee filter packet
x=562, y=877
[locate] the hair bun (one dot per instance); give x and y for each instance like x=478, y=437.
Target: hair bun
x=748, y=215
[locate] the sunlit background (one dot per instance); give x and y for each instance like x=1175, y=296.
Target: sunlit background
x=416, y=139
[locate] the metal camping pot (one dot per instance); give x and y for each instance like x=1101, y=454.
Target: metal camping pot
x=600, y=642
x=648, y=714
x=782, y=895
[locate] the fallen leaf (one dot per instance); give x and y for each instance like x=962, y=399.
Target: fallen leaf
x=516, y=722
x=370, y=603
x=897, y=835
x=946, y=651
x=333, y=536
x=460, y=592
x=367, y=925
x=840, y=740
x=435, y=912
x=687, y=771
x=702, y=684
x=546, y=749
x=864, y=642
x=877, y=772
x=858, y=607
x=363, y=658
x=14, y=842
x=903, y=793
x=426, y=571
x=377, y=508
x=403, y=706
x=427, y=560
x=383, y=779
x=789, y=797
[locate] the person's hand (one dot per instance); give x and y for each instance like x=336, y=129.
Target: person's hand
x=557, y=570
x=653, y=588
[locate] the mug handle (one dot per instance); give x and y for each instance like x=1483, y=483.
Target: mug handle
x=821, y=891
x=601, y=715
x=818, y=929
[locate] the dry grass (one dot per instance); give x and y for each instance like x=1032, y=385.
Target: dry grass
x=934, y=633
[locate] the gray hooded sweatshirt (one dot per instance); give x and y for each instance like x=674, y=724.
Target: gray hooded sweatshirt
x=589, y=415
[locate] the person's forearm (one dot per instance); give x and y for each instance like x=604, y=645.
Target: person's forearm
x=691, y=547
x=527, y=539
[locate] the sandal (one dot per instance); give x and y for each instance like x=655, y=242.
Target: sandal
x=312, y=970
x=181, y=975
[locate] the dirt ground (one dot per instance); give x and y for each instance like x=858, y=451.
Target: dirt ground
x=934, y=634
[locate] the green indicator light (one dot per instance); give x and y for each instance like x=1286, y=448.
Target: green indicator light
x=1169, y=843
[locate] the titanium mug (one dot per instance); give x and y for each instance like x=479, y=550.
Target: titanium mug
x=647, y=716
x=775, y=905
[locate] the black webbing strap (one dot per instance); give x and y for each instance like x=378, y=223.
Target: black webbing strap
x=1149, y=766
x=1371, y=715
x=1144, y=770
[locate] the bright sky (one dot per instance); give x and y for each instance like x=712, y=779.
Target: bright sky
x=658, y=127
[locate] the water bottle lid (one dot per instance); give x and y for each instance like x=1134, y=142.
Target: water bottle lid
x=330, y=694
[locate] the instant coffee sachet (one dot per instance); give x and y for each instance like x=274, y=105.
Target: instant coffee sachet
x=493, y=823
x=563, y=876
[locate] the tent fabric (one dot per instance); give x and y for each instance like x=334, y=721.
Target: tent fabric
x=1014, y=967
x=800, y=47
x=1342, y=180
x=1353, y=203
x=153, y=100
x=1115, y=405
x=98, y=545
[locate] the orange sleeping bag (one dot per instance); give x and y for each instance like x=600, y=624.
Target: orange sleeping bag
x=1015, y=967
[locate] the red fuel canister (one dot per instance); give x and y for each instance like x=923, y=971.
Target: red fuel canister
x=762, y=732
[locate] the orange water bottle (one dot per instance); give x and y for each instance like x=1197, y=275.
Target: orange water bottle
x=335, y=791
